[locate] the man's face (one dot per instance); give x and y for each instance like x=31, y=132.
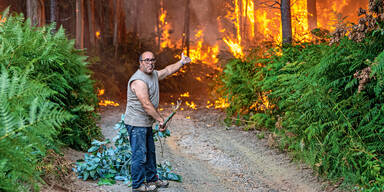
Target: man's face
x=147, y=62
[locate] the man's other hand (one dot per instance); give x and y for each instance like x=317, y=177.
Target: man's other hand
x=162, y=127
x=184, y=59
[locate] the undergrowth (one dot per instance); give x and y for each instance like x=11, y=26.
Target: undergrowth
x=46, y=100
x=325, y=101
x=53, y=61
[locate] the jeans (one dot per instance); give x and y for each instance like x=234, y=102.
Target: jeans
x=143, y=163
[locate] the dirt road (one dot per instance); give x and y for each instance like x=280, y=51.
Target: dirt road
x=213, y=157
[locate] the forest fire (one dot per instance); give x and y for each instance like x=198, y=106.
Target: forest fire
x=254, y=22
x=104, y=102
x=243, y=24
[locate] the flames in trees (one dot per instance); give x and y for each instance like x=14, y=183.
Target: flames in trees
x=243, y=24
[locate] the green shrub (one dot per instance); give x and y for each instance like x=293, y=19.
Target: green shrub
x=54, y=61
x=334, y=116
x=28, y=123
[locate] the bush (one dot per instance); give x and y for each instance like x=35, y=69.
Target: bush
x=28, y=123
x=54, y=61
x=329, y=100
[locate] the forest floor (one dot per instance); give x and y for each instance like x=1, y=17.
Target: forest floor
x=212, y=157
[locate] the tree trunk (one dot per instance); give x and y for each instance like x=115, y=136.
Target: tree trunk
x=136, y=17
x=286, y=21
x=116, y=5
x=80, y=24
x=42, y=16
x=312, y=14
x=91, y=21
x=245, y=23
x=52, y=11
x=36, y=12
x=186, y=27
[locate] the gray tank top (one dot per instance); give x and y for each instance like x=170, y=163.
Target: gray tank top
x=134, y=113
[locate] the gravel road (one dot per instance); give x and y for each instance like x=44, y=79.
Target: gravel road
x=213, y=157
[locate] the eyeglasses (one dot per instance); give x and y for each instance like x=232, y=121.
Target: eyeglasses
x=149, y=60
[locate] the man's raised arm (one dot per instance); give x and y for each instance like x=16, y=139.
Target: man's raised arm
x=170, y=69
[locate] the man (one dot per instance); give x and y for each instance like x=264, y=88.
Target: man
x=140, y=114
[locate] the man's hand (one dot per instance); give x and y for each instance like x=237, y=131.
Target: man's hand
x=170, y=69
x=162, y=127
x=184, y=59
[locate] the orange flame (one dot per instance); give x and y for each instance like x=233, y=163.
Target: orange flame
x=98, y=34
x=106, y=102
x=101, y=92
x=165, y=27
x=2, y=19
x=185, y=94
x=221, y=103
x=191, y=105
x=234, y=44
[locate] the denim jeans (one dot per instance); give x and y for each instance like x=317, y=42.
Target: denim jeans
x=143, y=163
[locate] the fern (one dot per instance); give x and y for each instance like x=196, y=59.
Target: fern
x=53, y=60
x=28, y=121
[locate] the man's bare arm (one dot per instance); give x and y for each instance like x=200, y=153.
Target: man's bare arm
x=141, y=90
x=170, y=69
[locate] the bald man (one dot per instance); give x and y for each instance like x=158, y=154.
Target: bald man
x=141, y=112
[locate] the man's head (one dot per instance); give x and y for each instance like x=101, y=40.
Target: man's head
x=147, y=62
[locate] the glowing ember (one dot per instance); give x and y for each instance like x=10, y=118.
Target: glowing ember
x=107, y=102
x=221, y=103
x=2, y=19
x=191, y=105
x=101, y=92
x=198, y=78
x=209, y=105
x=263, y=103
x=98, y=34
x=185, y=94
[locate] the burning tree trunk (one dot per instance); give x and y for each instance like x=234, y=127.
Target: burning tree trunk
x=312, y=14
x=36, y=12
x=186, y=33
x=286, y=21
x=80, y=24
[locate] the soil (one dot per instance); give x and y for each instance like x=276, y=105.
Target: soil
x=211, y=157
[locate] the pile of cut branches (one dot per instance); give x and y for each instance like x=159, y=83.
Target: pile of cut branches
x=109, y=164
